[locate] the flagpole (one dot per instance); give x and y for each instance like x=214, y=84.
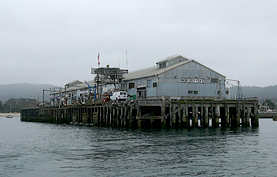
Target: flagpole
x=126, y=55
x=98, y=59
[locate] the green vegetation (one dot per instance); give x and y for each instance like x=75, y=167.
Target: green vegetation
x=24, y=90
x=15, y=105
x=269, y=103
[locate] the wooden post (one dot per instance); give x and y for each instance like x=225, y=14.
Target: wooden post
x=108, y=116
x=217, y=115
x=130, y=117
x=112, y=117
x=247, y=117
x=118, y=117
x=101, y=117
x=163, y=121
x=225, y=119
x=237, y=115
x=181, y=117
x=139, y=117
x=195, y=115
x=206, y=117
x=175, y=117
x=201, y=114
x=133, y=117
x=243, y=115
x=256, y=116
x=124, y=114
x=186, y=116
x=170, y=115
x=212, y=114
x=122, y=117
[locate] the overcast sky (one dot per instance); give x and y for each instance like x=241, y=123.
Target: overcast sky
x=54, y=42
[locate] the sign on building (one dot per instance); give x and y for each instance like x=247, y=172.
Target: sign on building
x=192, y=80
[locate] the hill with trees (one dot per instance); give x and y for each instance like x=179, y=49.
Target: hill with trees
x=25, y=95
x=24, y=90
x=269, y=92
x=15, y=105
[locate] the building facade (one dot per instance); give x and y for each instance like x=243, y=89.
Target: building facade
x=175, y=77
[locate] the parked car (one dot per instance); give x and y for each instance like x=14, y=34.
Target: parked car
x=122, y=95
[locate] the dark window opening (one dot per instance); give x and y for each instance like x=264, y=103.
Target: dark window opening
x=190, y=92
x=131, y=85
x=162, y=65
x=214, y=80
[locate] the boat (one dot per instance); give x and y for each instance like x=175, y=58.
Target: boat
x=9, y=116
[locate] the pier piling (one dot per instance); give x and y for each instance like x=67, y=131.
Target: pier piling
x=158, y=113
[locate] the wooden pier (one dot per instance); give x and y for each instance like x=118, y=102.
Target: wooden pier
x=154, y=113
x=266, y=115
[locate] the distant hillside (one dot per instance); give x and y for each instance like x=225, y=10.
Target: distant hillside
x=24, y=90
x=260, y=92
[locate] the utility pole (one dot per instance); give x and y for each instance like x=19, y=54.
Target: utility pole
x=43, y=96
x=219, y=82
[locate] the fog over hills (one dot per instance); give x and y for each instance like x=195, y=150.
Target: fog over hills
x=261, y=92
x=269, y=92
x=24, y=90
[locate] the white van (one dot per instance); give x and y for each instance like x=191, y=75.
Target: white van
x=122, y=95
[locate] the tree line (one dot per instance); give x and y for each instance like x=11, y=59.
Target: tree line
x=16, y=104
x=269, y=104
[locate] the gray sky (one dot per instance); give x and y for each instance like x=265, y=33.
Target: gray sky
x=54, y=42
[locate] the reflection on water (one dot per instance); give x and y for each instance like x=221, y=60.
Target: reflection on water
x=36, y=149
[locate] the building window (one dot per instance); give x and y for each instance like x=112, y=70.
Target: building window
x=131, y=85
x=190, y=92
x=155, y=84
x=214, y=80
x=162, y=65
x=149, y=83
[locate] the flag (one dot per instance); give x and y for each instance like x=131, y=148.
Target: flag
x=98, y=59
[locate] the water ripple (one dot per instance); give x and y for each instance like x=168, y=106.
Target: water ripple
x=36, y=149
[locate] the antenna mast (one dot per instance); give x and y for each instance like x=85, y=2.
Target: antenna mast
x=126, y=55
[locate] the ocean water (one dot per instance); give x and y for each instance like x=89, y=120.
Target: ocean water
x=38, y=149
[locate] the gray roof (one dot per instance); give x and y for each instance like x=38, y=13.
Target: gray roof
x=172, y=57
x=153, y=71
x=80, y=86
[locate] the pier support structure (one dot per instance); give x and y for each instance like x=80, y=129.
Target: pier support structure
x=159, y=113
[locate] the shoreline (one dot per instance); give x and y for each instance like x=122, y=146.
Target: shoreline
x=12, y=114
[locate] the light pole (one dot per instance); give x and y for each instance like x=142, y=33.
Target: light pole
x=43, y=96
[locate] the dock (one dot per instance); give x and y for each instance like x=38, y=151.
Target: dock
x=176, y=93
x=151, y=113
x=268, y=115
